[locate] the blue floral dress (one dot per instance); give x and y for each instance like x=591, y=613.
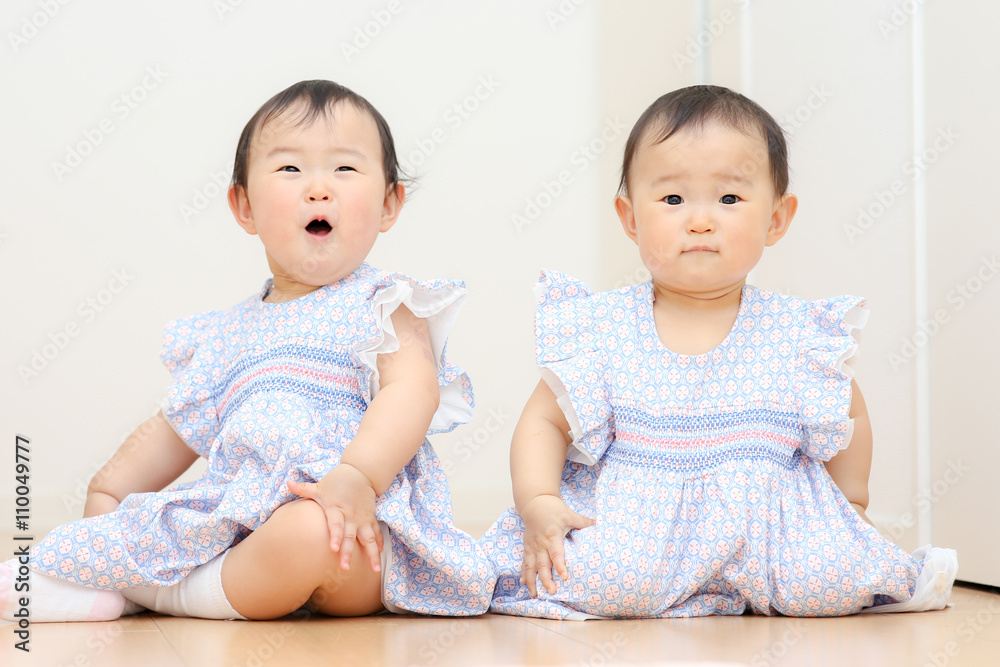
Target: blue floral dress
x=270, y=392
x=704, y=472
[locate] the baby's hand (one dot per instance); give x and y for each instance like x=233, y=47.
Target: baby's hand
x=348, y=500
x=547, y=520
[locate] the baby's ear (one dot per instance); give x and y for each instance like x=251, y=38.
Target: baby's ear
x=240, y=206
x=393, y=204
x=623, y=205
x=781, y=218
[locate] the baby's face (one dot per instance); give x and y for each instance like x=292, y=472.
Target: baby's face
x=316, y=195
x=701, y=207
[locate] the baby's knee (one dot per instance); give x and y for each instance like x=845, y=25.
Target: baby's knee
x=302, y=526
x=356, y=591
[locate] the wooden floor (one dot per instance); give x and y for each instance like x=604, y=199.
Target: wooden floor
x=968, y=633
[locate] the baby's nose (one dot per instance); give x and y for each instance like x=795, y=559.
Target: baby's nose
x=318, y=191
x=701, y=221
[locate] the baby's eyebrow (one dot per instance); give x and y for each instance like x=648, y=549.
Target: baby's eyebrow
x=738, y=177
x=664, y=178
x=280, y=149
x=350, y=152
x=729, y=177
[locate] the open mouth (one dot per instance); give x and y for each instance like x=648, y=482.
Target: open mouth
x=319, y=228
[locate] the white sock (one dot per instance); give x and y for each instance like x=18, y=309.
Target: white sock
x=199, y=595
x=131, y=608
x=52, y=600
x=938, y=570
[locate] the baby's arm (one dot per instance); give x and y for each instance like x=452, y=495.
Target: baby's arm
x=851, y=467
x=537, y=458
x=152, y=457
x=391, y=431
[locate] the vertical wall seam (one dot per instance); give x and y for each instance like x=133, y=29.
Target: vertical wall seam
x=746, y=71
x=701, y=19
x=921, y=282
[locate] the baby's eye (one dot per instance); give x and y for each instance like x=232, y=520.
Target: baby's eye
x=289, y=168
x=346, y=168
x=674, y=200
x=729, y=199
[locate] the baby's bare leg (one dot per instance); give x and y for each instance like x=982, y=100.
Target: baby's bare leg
x=288, y=562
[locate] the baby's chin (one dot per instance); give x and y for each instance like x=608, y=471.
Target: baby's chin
x=318, y=270
x=309, y=272
x=319, y=279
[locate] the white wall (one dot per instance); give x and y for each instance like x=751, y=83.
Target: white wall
x=957, y=335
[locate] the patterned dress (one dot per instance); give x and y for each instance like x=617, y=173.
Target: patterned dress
x=266, y=392
x=704, y=472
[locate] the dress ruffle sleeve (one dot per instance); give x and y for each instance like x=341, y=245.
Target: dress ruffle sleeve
x=190, y=352
x=572, y=362
x=438, y=303
x=822, y=379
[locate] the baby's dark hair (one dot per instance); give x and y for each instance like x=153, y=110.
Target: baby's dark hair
x=697, y=105
x=317, y=98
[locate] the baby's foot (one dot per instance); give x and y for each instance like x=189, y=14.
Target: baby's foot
x=51, y=600
x=938, y=570
x=8, y=596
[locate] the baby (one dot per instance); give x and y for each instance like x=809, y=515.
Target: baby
x=697, y=445
x=323, y=385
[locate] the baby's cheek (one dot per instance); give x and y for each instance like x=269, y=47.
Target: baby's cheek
x=654, y=257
